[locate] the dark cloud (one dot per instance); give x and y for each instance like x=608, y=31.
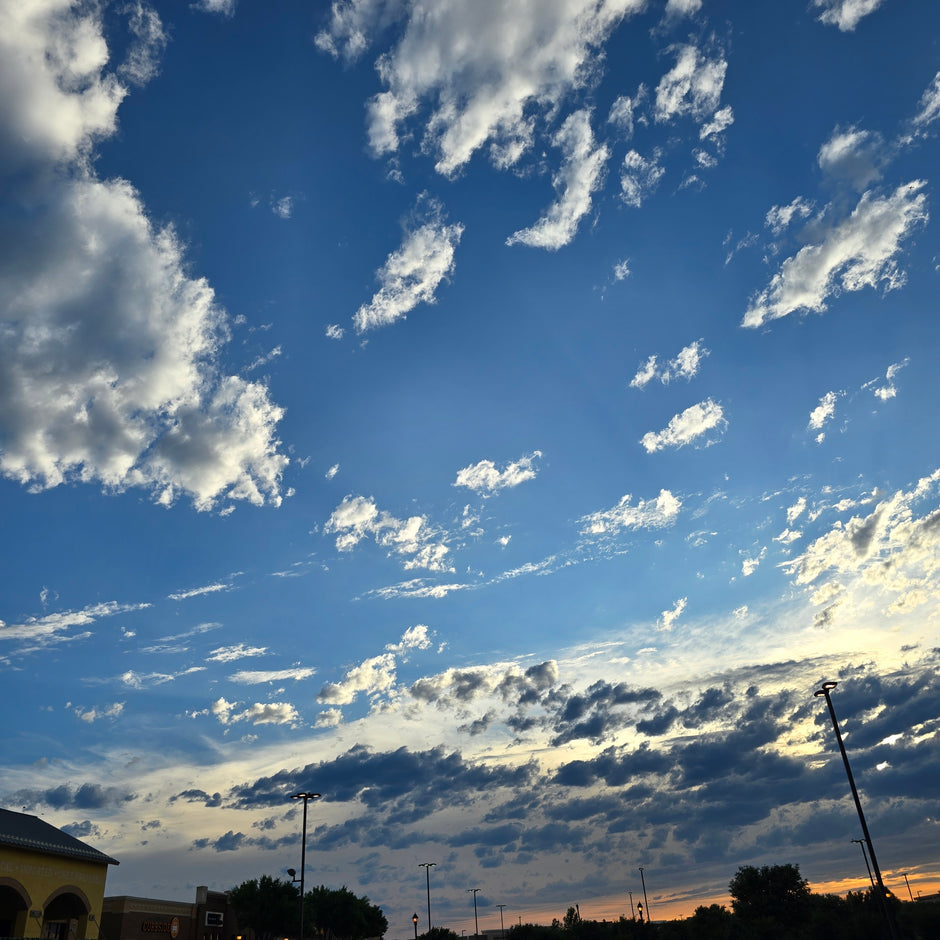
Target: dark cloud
x=85, y=829
x=598, y=712
x=198, y=796
x=87, y=796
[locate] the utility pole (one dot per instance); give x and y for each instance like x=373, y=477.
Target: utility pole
x=645, y=898
x=502, y=929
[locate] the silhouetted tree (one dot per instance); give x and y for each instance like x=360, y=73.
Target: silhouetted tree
x=338, y=913
x=439, y=933
x=774, y=893
x=267, y=905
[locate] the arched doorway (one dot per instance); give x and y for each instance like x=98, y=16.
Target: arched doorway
x=65, y=916
x=14, y=908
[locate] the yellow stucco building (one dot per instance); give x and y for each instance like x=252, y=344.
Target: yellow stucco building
x=51, y=884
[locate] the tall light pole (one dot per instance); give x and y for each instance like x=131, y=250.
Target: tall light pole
x=645, y=898
x=632, y=908
x=303, y=851
x=502, y=929
x=825, y=689
x=904, y=876
x=476, y=922
x=427, y=866
x=871, y=878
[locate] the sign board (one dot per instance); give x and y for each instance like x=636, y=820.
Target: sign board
x=214, y=918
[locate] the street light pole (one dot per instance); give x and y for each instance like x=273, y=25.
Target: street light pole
x=414, y=920
x=476, y=922
x=303, y=851
x=502, y=928
x=911, y=893
x=871, y=878
x=825, y=689
x=427, y=866
x=632, y=908
x=645, y=898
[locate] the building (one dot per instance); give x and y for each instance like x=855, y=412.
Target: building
x=51, y=884
x=130, y=918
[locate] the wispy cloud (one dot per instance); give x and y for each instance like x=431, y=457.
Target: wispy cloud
x=686, y=365
x=687, y=427
x=260, y=676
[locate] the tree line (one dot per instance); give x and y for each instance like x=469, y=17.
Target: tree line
x=270, y=908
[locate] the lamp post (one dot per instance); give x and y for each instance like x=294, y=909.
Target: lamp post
x=871, y=878
x=303, y=795
x=414, y=920
x=476, y=922
x=427, y=866
x=825, y=689
x=502, y=929
x=904, y=876
x=632, y=908
x=645, y=898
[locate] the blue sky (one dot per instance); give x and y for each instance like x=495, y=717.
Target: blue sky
x=498, y=417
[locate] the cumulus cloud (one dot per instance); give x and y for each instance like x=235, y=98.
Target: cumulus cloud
x=646, y=514
x=860, y=251
x=845, y=14
x=685, y=365
x=639, y=177
x=358, y=517
x=686, y=427
x=668, y=618
x=822, y=413
x=692, y=87
x=412, y=273
x=261, y=713
x=522, y=57
x=581, y=173
x=484, y=477
x=889, y=389
x=111, y=353
x=91, y=715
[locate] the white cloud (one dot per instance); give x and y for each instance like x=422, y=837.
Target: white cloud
x=38, y=628
x=622, y=270
x=685, y=365
x=329, y=718
x=479, y=68
x=621, y=113
x=199, y=591
x=639, y=177
x=223, y=7
x=331, y=473
x=229, y=654
x=853, y=155
x=91, y=715
x=142, y=60
x=889, y=389
x=412, y=273
x=686, y=427
x=668, y=618
x=261, y=713
x=414, y=638
x=929, y=104
x=259, y=676
x=111, y=352
x=284, y=207
x=823, y=412
x=750, y=565
x=796, y=510
x=692, y=87
x=721, y=120
x=646, y=514
x=845, y=13
x=137, y=680
x=860, y=251
x=677, y=8
x=486, y=478
x=371, y=676
x=357, y=517
x=335, y=331
x=581, y=173
x=780, y=217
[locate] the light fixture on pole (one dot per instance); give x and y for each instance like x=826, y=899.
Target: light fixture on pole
x=476, y=922
x=502, y=929
x=414, y=920
x=645, y=898
x=825, y=690
x=904, y=876
x=303, y=852
x=871, y=877
x=427, y=866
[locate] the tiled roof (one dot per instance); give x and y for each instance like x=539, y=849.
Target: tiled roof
x=30, y=832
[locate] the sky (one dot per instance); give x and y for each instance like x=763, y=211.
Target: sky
x=498, y=417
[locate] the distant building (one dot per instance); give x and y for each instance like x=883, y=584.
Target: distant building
x=51, y=884
x=209, y=918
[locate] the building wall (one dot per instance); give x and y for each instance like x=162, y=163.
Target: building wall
x=209, y=917
x=61, y=897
